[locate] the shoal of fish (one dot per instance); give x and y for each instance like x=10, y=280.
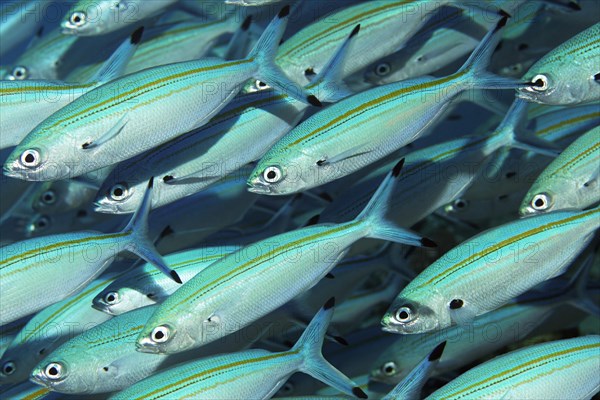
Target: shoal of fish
x=300, y=199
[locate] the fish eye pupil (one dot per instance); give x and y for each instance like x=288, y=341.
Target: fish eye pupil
x=271, y=174
x=118, y=192
x=456, y=304
x=29, y=158
x=539, y=202
x=159, y=335
x=9, y=368
x=403, y=315
x=52, y=371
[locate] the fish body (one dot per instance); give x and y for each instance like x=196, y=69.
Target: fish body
x=571, y=181
x=563, y=369
x=144, y=285
x=366, y=127
x=560, y=81
x=252, y=374
x=486, y=271
x=19, y=21
x=49, y=328
x=210, y=305
x=91, y=18
x=134, y=113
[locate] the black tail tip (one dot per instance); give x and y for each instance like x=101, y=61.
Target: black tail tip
x=505, y=16
x=398, y=168
x=574, y=5
x=166, y=232
x=329, y=304
x=355, y=31
x=437, y=352
x=136, y=36
x=330, y=276
x=314, y=101
x=246, y=24
x=285, y=11
x=326, y=196
x=176, y=277
x=314, y=220
x=151, y=183
x=358, y=392
x=341, y=340
x=425, y=242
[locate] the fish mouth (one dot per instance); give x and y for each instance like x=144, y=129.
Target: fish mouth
x=259, y=188
x=388, y=328
x=38, y=378
x=146, y=345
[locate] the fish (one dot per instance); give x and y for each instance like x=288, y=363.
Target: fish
x=250, y=374
x=233, y=138
x=93, y=17
x=19, y=21
x=487, y=270
x=348, y=135
x=32, y=265
x=210, y=305
x=105, y=125
x=411, y=386
x=570, y=181
x=145, y=286
x=438, y=174
x=556, y=80
x=489, y=332
x=559, y=369
x=27, y=103
x=49, y=328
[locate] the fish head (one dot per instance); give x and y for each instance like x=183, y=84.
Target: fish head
x=120, y=196
x=283, y=172
x=538, y=201
x=15, y=366
x=412, y=313
x=36, y=160
x=69, y=369
x=116, y=301
x=387, y=370
x=89, y=18
x=547, y=87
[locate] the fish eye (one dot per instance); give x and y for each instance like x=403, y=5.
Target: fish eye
x=49, y=197
x=78, y=18
x=383, y=69
x=540, y=202
x=54, y=371
x=456, y=304
x=160, y=334
x=42, y=222
x=272, y=174
x=404, y=314
x=20, y=73
x=389, y=368
x=260, y=85
x=30, y=158
x=9, y=368
x=111, y=298
x=460, y=204
x=540, y=83
x=118, y=192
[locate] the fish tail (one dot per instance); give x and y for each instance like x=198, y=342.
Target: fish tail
x=513, y=126
x=309, y=346
x=139, y=242
x=264, y=55
x=117, y=62
x=329, y=83
x=476, y=65
x=237, y=48
x=374, y=215
x=410, y=387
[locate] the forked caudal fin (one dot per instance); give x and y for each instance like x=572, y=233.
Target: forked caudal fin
x=264, y=55
x=309, y=346
x=375, y=211
x=475, y=66
x=117, y=62
x=139, y=243
x=329, y=84
x=410, y=387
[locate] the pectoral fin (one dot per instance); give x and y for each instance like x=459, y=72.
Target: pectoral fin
x=350, y=153
x=114, y=131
